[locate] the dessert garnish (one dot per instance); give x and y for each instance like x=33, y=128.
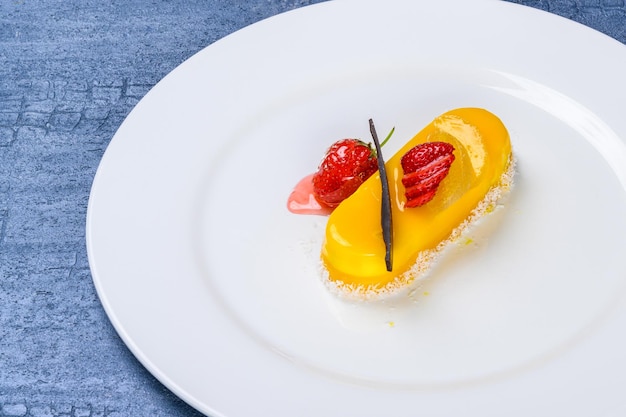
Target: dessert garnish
x=424, y=167
x=347, y=164
x=385, y=208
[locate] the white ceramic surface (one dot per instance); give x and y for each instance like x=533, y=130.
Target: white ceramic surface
x=213, y=284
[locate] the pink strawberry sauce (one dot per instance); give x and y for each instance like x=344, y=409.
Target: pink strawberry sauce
x=302, y=201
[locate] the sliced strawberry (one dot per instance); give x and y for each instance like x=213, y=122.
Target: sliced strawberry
x=346, y=165
x=425, y=166
x=421, y=199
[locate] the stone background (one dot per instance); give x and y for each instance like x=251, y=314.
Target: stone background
x=70, y=71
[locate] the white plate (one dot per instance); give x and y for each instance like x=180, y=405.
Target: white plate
x=212, y=283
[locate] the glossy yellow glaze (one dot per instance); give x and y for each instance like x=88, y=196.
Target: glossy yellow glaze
x=353, y=251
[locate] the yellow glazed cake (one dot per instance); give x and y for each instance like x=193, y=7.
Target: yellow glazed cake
x=353, y=252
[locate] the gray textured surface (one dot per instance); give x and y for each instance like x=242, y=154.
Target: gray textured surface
x=70, y=71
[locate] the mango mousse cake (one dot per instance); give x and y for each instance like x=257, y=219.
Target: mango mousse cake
x=438, y=184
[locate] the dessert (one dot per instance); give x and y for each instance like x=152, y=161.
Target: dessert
x=441, y=181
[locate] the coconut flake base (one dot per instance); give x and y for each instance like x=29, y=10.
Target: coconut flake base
x=408, y=282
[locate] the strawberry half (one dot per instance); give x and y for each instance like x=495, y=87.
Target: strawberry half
x=346, y=165
x=425, y=166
